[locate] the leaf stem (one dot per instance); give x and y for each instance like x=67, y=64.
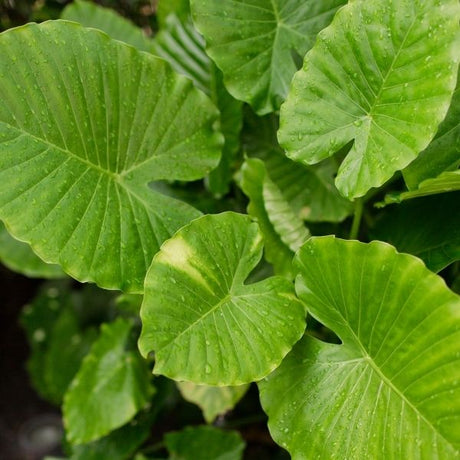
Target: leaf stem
x=359, y=204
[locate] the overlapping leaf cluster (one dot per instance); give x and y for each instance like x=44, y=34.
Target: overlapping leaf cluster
x=310, y=115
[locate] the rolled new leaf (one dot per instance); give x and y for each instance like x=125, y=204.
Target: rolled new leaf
x=392, y=388
x=203, y=323
x=86, y=123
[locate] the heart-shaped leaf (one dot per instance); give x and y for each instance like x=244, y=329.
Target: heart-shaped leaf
x=111, y=386
x=257, y=43
x=85, y=123
x=392, y=388
x=382, y=74
x=203, y=323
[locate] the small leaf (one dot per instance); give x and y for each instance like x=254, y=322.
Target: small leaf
x=20, y=258
x=111, y=386
x=204, y=324
x=213, y=401
x=382, y=74
x=257, y=43
x=448, y=181
x=392, y=388
x=428, y=228
x=204, y=443
x=444, y=151
x=75, y=163
x=92, y=15
x=276, y=251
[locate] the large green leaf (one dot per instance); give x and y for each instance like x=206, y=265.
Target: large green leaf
x=382, y=74
x=448, y=181
x=392, y=388
x=111, y=386
x=213, y=401
x=85, y=123
x=204, y=443
x=19, y=257
x=183, y=47
x=204, y=324
x=92, y=15
x=428, y=228
x=444, y=151
x=258, y=43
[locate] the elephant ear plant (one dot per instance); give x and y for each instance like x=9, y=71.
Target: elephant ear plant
x=128, y=161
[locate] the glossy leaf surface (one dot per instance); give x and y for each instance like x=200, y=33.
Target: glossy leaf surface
x=89, y=14
x=205, y=443
x=448, y=181
x=79, y=143
x=382, y=74
x=257, y=44
x=204, y=324
x=213, y=401
x=112, y=385
x=443, y=153
x=428, y=228
x=392, y=388
x=183, y=47
x=19, y=257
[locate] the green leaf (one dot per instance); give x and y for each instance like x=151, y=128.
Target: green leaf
x=19, y=257
x=213, y=401
x=382, y=74
x=448, y=181
x=58, y=337
x=180, y=8
x=78, y=146
x=204, y=324
x=91, y=15
x=309, y=190
x=392, y=388
x=257, y=44
x=111, y=386
x=277, y=252
x=205, y=443
x=428, y=228
x=444, y=151
x=183, y=47
x=118, y=445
